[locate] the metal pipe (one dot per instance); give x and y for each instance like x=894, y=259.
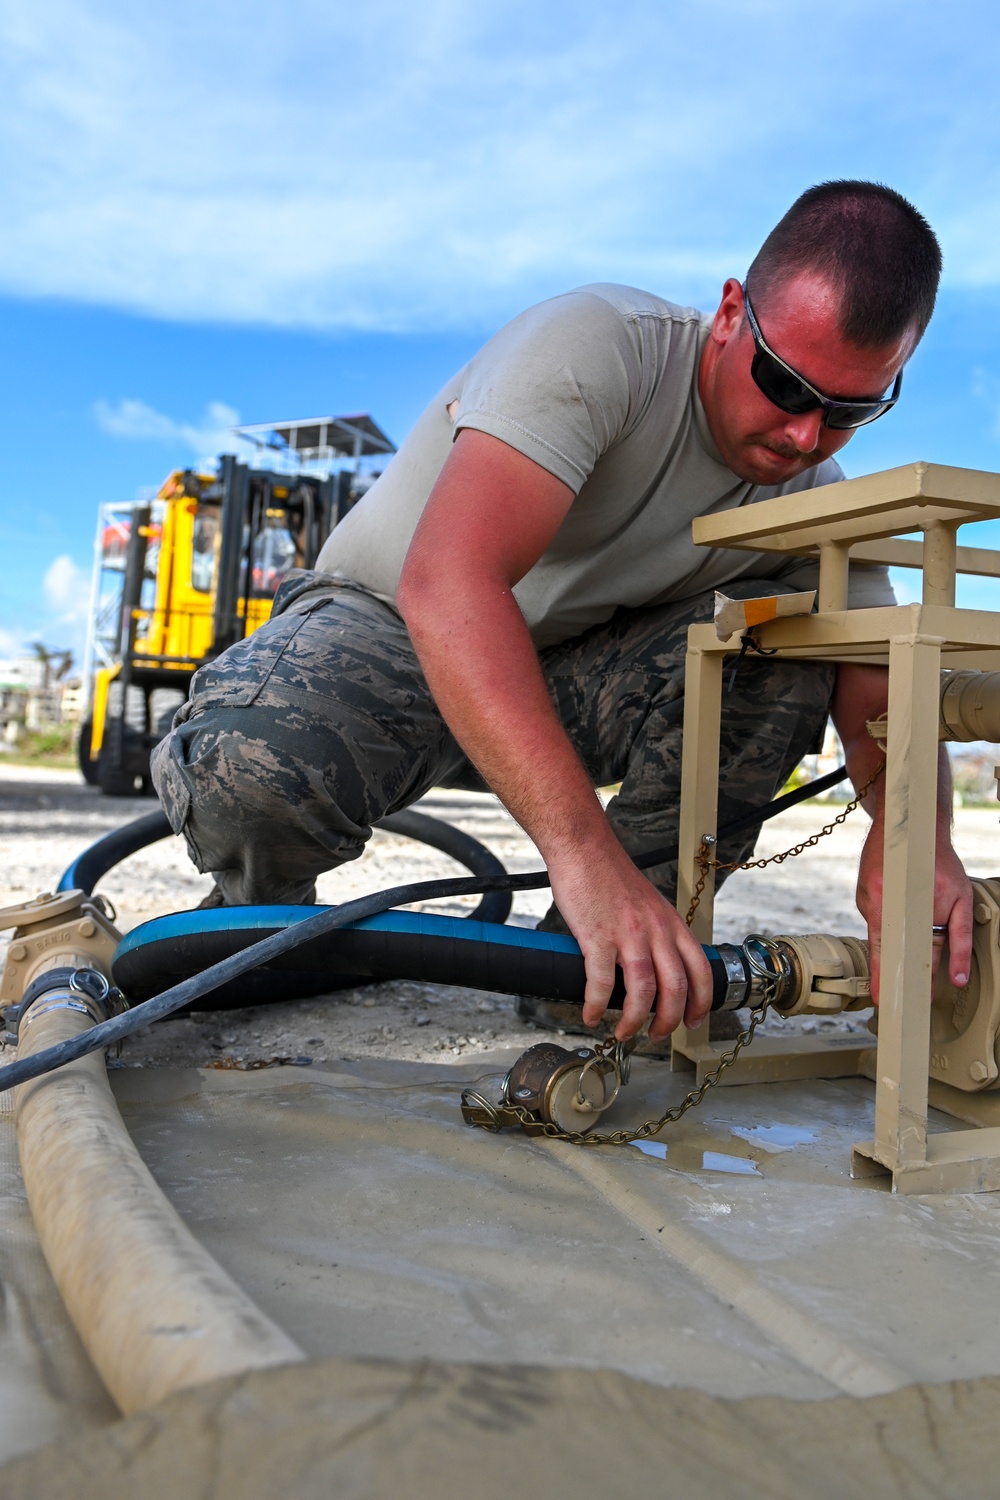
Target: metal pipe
x=970, y=706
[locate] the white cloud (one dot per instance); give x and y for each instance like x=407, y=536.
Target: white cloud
x=206, y=439
x=134, y=419
x=67, y=591
x=438, y=165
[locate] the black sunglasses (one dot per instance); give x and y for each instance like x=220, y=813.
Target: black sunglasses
x=787, y=390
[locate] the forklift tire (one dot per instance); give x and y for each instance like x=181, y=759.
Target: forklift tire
x=114, y=783
x=88, y=768
x=123, y=780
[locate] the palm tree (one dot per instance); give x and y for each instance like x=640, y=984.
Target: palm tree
x=55, y=663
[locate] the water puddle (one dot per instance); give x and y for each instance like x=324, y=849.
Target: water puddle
x=773, y=1138
x=687, y=1158
x=702, y=1148
x=719, y=1161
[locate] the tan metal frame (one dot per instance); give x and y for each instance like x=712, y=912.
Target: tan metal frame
x=835, y=522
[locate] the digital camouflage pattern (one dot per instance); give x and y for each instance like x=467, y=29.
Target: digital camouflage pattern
x=296, y=740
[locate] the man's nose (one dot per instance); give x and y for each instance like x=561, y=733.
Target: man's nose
x=804, y=430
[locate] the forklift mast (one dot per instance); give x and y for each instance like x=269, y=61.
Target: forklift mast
x=269, y=524
x=199, y=571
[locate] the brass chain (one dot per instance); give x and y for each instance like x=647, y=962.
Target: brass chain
x=705, y=862
x=767, y=979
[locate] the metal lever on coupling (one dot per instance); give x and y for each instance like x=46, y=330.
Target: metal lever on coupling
x=551, y=1086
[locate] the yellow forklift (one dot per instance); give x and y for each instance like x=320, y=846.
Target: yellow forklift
x=198, y=566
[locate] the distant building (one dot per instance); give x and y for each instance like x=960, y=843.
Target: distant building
x=21, y=671
x=32, y=698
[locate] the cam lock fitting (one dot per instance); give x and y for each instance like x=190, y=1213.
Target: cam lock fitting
x=825, y=975
x=553, y=1086
x=969, y=709
x=814, y=973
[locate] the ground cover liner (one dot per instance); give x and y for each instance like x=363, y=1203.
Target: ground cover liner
x=361, y=1214
x=362, y=1430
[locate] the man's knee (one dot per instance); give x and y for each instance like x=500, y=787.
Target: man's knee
x=229, y=785
x=295, y=741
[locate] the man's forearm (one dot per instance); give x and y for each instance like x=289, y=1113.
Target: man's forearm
x=860, y=698
x=482, y=669
x=486, y=679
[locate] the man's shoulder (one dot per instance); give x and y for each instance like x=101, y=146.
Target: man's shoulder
x=626, y=302
x=601, y=330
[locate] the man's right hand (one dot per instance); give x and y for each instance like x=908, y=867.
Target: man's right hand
x=620, y=919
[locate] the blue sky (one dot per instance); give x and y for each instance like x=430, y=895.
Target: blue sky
x=216, y=211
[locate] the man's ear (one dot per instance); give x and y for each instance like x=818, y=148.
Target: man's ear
x=729, y=314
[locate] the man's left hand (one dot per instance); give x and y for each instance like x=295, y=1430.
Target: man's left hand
x=952, y=907
x=859, y=698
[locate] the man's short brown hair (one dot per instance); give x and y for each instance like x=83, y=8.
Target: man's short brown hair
x=870, y=243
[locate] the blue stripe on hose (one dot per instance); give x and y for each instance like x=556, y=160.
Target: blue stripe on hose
x=69, y=882
x=271, y=918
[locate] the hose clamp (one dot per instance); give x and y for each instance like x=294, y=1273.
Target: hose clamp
x=86, y=991
x=737, y=977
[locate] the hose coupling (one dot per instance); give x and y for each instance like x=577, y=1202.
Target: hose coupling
x=553, y=1086
x=65, y=931
x=743, y=974
x=81, y=989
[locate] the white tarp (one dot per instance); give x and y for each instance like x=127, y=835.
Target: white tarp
x=735, y=1256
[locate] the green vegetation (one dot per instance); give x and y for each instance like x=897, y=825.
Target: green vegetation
x=54, y=747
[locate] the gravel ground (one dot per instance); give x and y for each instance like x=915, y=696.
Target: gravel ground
x=47, y=817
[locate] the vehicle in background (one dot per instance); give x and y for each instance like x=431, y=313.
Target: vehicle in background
x=182, y=576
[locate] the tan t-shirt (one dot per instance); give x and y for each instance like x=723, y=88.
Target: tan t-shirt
x=599, y=387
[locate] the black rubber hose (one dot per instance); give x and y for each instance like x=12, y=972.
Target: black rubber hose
x=258, y=955
x=89, y=867
x=329, y=919
x=168, y=949
x=461, y=847
x=395, y=945
x=783, y=803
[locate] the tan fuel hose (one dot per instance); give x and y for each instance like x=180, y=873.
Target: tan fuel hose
x=155, y=1312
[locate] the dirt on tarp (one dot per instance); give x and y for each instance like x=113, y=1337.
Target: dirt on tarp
x=366, y=1430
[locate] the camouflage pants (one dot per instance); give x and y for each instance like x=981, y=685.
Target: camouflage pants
x=296, y=740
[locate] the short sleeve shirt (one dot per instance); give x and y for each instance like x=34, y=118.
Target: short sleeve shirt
x=599, y=387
